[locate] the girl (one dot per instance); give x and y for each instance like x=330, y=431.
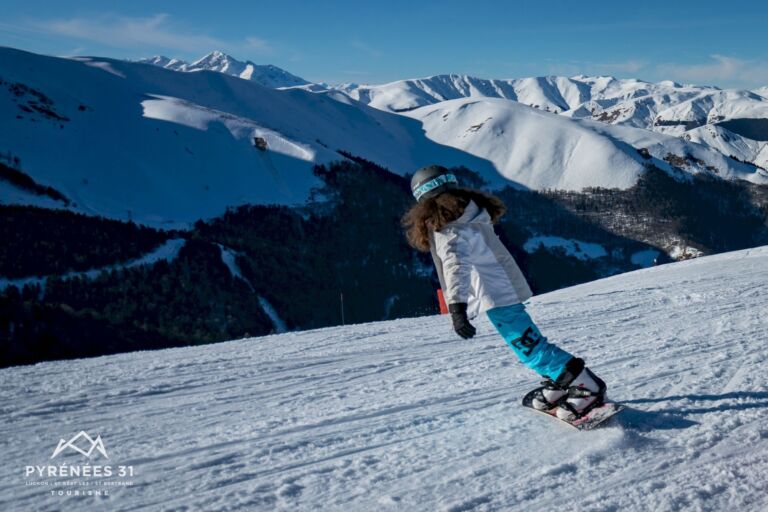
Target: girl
x=478, y=274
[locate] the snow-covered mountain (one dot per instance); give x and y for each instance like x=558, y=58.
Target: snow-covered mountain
x=543, y=150
x=404, y=415
x=128, y=140
x=724, y=120
x=559, y=94
x=721, y=119
x=266, y=75
x=134, y=141
x=556, y=94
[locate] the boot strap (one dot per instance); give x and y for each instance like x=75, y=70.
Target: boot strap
x=582, y=393
x=597, y=403
x=550, y=384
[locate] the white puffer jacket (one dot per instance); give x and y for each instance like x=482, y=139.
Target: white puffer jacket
x=474, y=266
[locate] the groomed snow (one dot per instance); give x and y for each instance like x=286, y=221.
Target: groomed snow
x=403, y=415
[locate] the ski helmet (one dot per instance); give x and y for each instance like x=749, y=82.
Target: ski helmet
x=432, y=180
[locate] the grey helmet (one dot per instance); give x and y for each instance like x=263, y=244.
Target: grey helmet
x=431, y=181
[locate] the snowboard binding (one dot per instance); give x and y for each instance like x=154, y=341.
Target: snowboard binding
x=573, y=396
x=582, y=393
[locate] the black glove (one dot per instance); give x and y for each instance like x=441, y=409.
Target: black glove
x=460, y=321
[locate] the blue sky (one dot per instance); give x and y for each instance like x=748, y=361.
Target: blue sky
x=703, y=42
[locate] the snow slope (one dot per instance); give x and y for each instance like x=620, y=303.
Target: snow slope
x=573, y=96
x=551, y=93
x=543, y=150
x=664, y=107
x=133, y=141
x=403, y=415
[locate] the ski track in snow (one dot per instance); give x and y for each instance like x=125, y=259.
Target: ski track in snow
x=229, y=258
x=166, y=251
x=176, y=110
x=403, y=415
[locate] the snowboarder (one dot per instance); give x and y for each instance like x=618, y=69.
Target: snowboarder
x=478, y=274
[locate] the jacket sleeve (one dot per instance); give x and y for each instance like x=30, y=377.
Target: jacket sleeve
x=436, y=260
x=452, y=250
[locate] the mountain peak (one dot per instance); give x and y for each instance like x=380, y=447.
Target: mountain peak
x=157, y=60
x=218, y=61
x=165, y=62
x=216, y=57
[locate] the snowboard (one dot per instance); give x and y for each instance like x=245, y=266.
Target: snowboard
x=592, y=419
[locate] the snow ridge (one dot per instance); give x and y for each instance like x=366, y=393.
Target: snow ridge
x=266, y=75
x=697, y=113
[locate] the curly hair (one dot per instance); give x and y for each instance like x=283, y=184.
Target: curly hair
x=434, y=213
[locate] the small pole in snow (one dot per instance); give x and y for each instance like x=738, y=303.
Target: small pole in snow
x=341, y=297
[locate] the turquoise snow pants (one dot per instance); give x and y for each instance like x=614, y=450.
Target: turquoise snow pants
x=522, y=335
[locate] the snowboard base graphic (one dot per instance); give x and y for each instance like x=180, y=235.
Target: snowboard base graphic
x=593, y=418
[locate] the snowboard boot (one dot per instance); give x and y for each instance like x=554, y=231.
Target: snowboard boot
x=556, y=391
x=584, y=392
x=549, y=396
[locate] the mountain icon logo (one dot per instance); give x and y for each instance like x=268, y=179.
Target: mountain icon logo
x=95, y=444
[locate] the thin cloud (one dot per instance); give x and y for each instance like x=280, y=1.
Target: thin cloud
x=257, y=44
x=725, y=70
x=568, y=27
x=155, y=32
x=366, y=48
x=578, y=67
x=630, y=66
x=74, y=52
